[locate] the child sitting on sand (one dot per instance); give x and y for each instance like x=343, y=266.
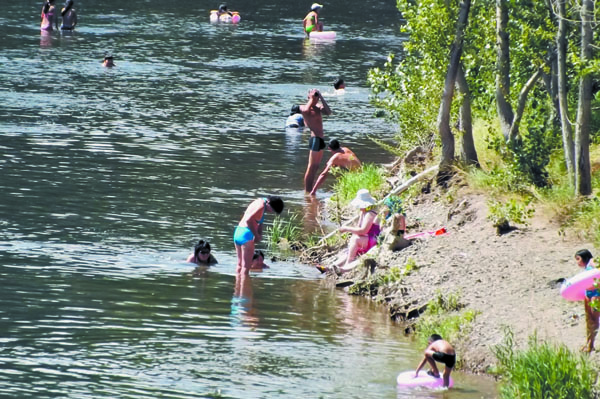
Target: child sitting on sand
x=438, y=351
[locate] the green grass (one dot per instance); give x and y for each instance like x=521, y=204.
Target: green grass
x=542, y=371
x=282, y=233
x=444, y=316
x=348, y=183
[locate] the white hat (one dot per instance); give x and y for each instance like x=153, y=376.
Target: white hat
x=363, y=199
x=315, y=6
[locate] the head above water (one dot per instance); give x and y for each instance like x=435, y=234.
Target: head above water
x=316, y=7
x=435, y=337
x=584, y=254
x=333, y=145
x=68, y=6
x=258, y=254
x=295, y=110
x=339, y=84
x=223, y=8
x=202, y=249
x=276, y=203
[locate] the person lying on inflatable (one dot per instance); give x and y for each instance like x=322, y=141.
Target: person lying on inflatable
x=311, y=21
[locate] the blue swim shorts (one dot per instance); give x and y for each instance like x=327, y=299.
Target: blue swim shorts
x=242, y=235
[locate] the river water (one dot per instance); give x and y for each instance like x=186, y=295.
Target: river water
x=108, y=176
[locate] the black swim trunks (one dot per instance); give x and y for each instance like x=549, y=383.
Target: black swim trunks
x=448, y=360
x=316, y=143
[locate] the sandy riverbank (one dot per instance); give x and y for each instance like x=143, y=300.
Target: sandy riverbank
x=511, y=280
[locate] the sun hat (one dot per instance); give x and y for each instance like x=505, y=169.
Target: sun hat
x=316, y=6
x=363, y=199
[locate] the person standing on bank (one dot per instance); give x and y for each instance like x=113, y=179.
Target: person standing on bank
x=249, y=229
x=585, y=260
x=312, y=113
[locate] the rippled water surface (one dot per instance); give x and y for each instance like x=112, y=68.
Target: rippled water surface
x=108, y=176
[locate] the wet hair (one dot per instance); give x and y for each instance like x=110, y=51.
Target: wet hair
x=68, y=6
x=338, y=83
x=295, y=109
x=334, y=144
x=435, y=337
x=108, y=57
x=223, y=7
x=46, y=7
x=258, y=253
x=585, y=255
x=276, y=203
x=202, y=245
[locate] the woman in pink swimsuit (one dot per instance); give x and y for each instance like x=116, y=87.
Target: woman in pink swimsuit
x=49, y=20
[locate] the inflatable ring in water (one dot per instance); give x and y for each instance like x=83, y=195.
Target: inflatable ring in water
x=407, y=379
x=234, y=18
x=326, y=35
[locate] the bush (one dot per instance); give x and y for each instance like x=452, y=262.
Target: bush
x=444, y=316
x=348, y=183
x=542, y=371
x=502, y=214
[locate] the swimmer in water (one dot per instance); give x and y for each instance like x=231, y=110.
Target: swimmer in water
x=49, y=20
x=69, y=16
x=249, y=229
x=340, y=87
x=295, y=120
x=258, y=260
x=108, y=61
x=202, y=255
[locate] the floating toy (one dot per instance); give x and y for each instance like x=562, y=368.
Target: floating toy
x=407, y=379
x=327, y=35
x=573, y=289
x=233, y=18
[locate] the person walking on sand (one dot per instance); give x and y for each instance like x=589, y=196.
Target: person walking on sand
x=342, y=157
x=69, y=16
x=438, y=351
x=311, y=21
x=312, y=113
x=584, y=259
x=249, y=229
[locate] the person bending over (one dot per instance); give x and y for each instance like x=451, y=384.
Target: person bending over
x=438, y=351
x=249, y=229
x=342, y=157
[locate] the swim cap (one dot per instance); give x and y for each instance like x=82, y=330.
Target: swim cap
x=316, y=6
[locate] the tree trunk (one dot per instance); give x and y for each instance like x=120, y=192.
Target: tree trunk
x=514, y=129
x=565, y=123
x=468, y=153
x=505, y=112
x=583, y=180
x=444, y=114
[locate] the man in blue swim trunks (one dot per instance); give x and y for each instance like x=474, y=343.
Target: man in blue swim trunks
x=312, y=113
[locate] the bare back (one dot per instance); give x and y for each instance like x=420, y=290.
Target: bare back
x=345, y=159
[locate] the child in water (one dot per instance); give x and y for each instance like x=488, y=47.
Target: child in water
x=258, y=260
x=438, y=351
x=202, y=255
x=584, y=259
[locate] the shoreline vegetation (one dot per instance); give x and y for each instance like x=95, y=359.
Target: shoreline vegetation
x=503, y=99
x=494, y=293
